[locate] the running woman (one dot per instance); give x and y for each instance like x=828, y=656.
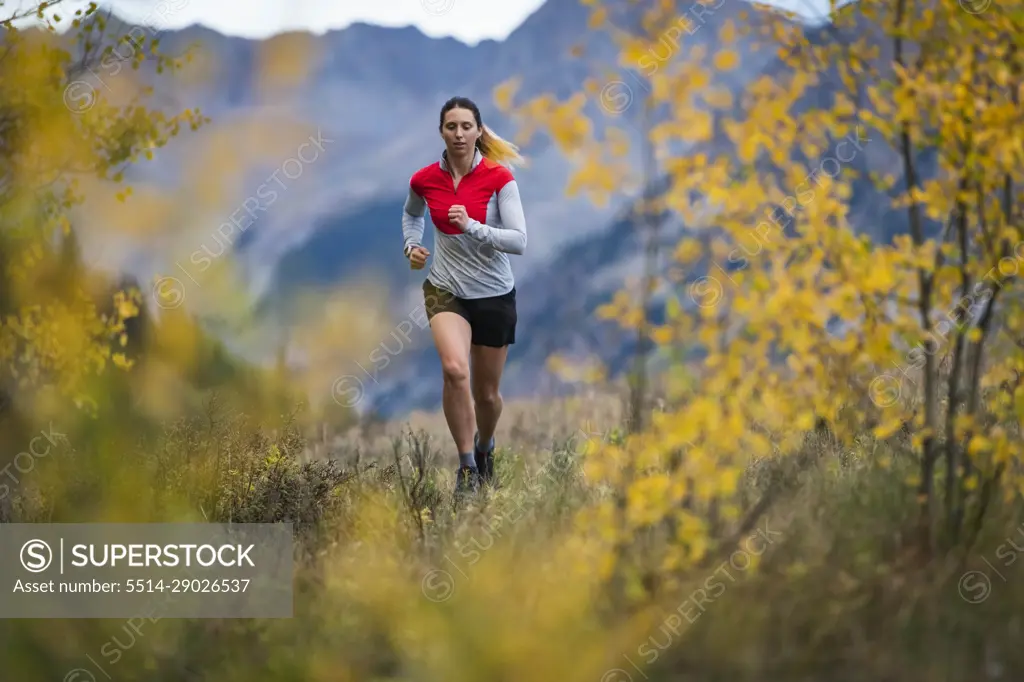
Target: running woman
x=469, y=293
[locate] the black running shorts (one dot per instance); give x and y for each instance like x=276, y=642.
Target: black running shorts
x=492, y=319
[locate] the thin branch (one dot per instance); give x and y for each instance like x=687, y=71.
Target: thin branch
x=953, y=506
x=955, y=493
x=25, y=14
x=925, y=284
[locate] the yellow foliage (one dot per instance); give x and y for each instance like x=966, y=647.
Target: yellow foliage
x=799, y=318
x=505, y=92
x=726, y=60
x=285, y=61
x=57, y=334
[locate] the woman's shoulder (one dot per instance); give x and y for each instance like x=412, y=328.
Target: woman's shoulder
x=426, y=173
x=500, y=173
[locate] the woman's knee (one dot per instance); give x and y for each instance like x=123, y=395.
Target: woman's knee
x=456, y=370
x=487, y=397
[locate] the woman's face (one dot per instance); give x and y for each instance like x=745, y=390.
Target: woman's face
x=459, y=131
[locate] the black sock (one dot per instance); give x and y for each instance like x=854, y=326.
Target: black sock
x=467, y=460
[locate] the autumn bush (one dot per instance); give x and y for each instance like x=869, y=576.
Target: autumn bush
x=798, y=310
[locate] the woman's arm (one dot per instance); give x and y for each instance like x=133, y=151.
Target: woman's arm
x=511, y=237
x=412, y=220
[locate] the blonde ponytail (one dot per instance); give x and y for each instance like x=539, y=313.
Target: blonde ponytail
x=498, y=149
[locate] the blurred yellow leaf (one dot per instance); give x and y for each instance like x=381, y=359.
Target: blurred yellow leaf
x=726, y=60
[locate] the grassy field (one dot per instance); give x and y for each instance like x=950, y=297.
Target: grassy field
x=395, y=580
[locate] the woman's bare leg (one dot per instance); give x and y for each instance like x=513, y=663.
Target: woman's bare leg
x=452, y=337
x=487, y=366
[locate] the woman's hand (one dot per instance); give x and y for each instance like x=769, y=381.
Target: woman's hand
x=418, y=257
x=458, y=217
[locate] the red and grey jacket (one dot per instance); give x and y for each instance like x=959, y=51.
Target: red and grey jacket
x=474, y=263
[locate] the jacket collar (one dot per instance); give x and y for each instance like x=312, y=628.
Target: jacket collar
x=477, y=158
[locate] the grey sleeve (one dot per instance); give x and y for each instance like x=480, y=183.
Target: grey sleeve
x=511, y=238
x=413, y=220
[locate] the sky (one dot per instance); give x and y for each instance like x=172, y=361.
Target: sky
x=467, y=20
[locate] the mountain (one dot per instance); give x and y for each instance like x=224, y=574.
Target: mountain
x=367, y=97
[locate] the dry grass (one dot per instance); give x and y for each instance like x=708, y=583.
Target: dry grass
x=394, y=581
x=527, y=428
